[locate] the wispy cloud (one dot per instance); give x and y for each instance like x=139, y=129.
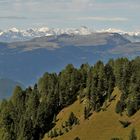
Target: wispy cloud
x=127, y=4
x=103, y=18
x=12, y=17
x=101, y=13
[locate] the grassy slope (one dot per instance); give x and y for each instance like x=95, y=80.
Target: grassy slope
x=100, y=126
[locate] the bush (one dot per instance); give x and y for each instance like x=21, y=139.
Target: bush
x=51, y=134
x=130, y=109
x=116, y=138
x=55, y=133
x=87, y=112
x=66, y=130
x=119, y=107
x=60, y=132
x=77, y=138
x=125, y=123
x=72, y=120
x=62, y=125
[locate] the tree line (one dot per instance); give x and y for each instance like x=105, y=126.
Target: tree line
x=29, y=113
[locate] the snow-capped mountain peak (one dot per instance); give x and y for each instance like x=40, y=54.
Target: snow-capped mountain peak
x=84, y=30
x=131, y=36
x=43, y=29
x=1, y=33
x=114, y=30
x=111, y=30
x=14, y=34
x=14, y=29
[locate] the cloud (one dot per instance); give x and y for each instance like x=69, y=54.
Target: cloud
x=117, y=5
x=12, y=17
x=103, y=18
x=49, y=5
x=105, y=13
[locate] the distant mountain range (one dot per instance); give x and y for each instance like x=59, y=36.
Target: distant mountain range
x=26, y=61
x=15, y=34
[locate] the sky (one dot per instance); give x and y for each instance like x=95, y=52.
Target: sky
x=95, y=14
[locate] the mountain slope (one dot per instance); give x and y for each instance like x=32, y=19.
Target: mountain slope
x=53, y=53
x=102, y=126
x=33, y=111
x=56, y=42
x=126, y=48
x=26, y=61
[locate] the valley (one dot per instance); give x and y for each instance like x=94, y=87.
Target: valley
x=26, y=61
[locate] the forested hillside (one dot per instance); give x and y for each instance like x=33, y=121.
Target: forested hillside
x=103, y=125
x=31, y=113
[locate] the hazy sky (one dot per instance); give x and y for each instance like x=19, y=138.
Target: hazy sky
x=96, y=14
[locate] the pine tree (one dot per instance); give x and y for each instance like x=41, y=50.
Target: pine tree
x=130, y=108
x=54, y=118
x=51, y=134
x=86, y=112
x=55, y=133
x=72, y=120
x=119, y=107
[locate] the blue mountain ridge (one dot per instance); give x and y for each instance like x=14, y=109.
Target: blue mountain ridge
x=27, y=61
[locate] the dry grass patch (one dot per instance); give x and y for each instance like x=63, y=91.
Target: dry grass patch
x=100, y=126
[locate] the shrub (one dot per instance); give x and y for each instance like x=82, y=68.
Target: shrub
x=72, y=120
x=125, y=123
x=130, y=108
x=60, y=132
x=116, y=138
x=77, y=138
x=66, y=130
x=119, y=107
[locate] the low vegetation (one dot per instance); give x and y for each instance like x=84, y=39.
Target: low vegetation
x=125, y=123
